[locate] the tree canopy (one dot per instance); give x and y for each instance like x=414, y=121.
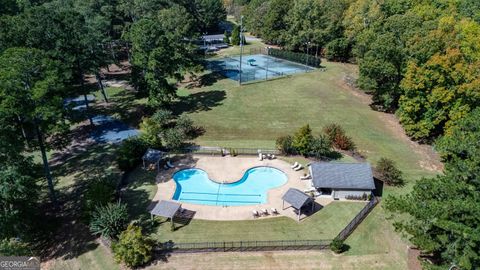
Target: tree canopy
x=445, y=211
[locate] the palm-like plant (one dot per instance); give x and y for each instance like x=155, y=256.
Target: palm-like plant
x=109, y=220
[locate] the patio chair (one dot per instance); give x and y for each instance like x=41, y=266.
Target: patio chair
x=166, y=167
x=273, y=156
x=255, y=214
x=260, y=157
x=306, y=177
x=299, y=167
x=169, y=164
x=265, y=212
x=294, y=165
x=274, y=211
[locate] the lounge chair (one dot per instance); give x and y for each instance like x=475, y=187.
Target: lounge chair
x=294, y=165
x=308, y=176
x=274, y=211
x=265, y=212
x=273, y=156
x=260, y=157
x=170, y=164
x=255, y=214
x=166, y=167
x=298, y=168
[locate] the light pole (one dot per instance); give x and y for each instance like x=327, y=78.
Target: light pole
x=241, y=51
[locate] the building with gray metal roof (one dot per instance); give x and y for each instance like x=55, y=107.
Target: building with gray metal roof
x=342, y=180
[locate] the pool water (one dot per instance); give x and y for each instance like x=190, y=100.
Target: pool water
x=194, y=186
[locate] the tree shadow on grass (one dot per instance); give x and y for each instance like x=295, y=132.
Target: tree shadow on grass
x=65, y=234
x=123, y=104
x=205, y=80
x=201, y=101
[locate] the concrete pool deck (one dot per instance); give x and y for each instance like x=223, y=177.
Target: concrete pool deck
x=230, y=169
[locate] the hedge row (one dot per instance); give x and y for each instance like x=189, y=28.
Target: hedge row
x=301, y=58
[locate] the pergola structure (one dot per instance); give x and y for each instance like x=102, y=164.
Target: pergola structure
x=167, y=209
x=153, y=156
x=297, y=199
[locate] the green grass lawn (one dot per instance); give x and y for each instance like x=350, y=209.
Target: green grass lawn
x=325, y=224
x=254, y=115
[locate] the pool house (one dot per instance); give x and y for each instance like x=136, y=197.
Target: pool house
x=342, y=180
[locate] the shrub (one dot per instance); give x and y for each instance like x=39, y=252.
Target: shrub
x=162, y=117
x=337, y=245
x=226, y=37
x=174, y=138
x=100, y=191
x=331, y=130
x=284, y=145
x=109, y=220
x=344, y=142
x=302, y=58
x=321, y=147
x=130, y=153
x=389, y=172
x=235, y=39
x=186, y=126
x=336, y=134
x=150, y=133
x=132, y=248
x=302, y=140
x=14, y=247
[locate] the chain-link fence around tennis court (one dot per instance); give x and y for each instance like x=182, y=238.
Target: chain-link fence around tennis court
x=255, y=67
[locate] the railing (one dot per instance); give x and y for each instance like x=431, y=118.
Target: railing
x=206, y=150
x=251, y=151
x=244, y=246
x=358, y=219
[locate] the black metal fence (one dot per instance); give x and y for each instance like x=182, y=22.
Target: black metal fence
x=244, y=246
x=206, y=150
x=358, y=219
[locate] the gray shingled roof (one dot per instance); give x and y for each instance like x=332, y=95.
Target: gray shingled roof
x=296, y=198
x=342, y=175
x=166, y=209
x=153, y=155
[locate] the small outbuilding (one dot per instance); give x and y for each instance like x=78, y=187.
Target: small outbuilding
x=153, y=156
x=342, y=180
x=298, y=200
x=166, y=209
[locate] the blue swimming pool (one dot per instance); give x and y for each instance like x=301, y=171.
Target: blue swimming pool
x=194, y=186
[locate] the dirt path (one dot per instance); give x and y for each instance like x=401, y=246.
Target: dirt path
x=429, y=159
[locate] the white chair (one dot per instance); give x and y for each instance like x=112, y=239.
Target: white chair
x=170, y=164
x=298, y=168
x=255, y=214
x=294, y=165
x=260, y=157
x=265, y=212
x=274, y=211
